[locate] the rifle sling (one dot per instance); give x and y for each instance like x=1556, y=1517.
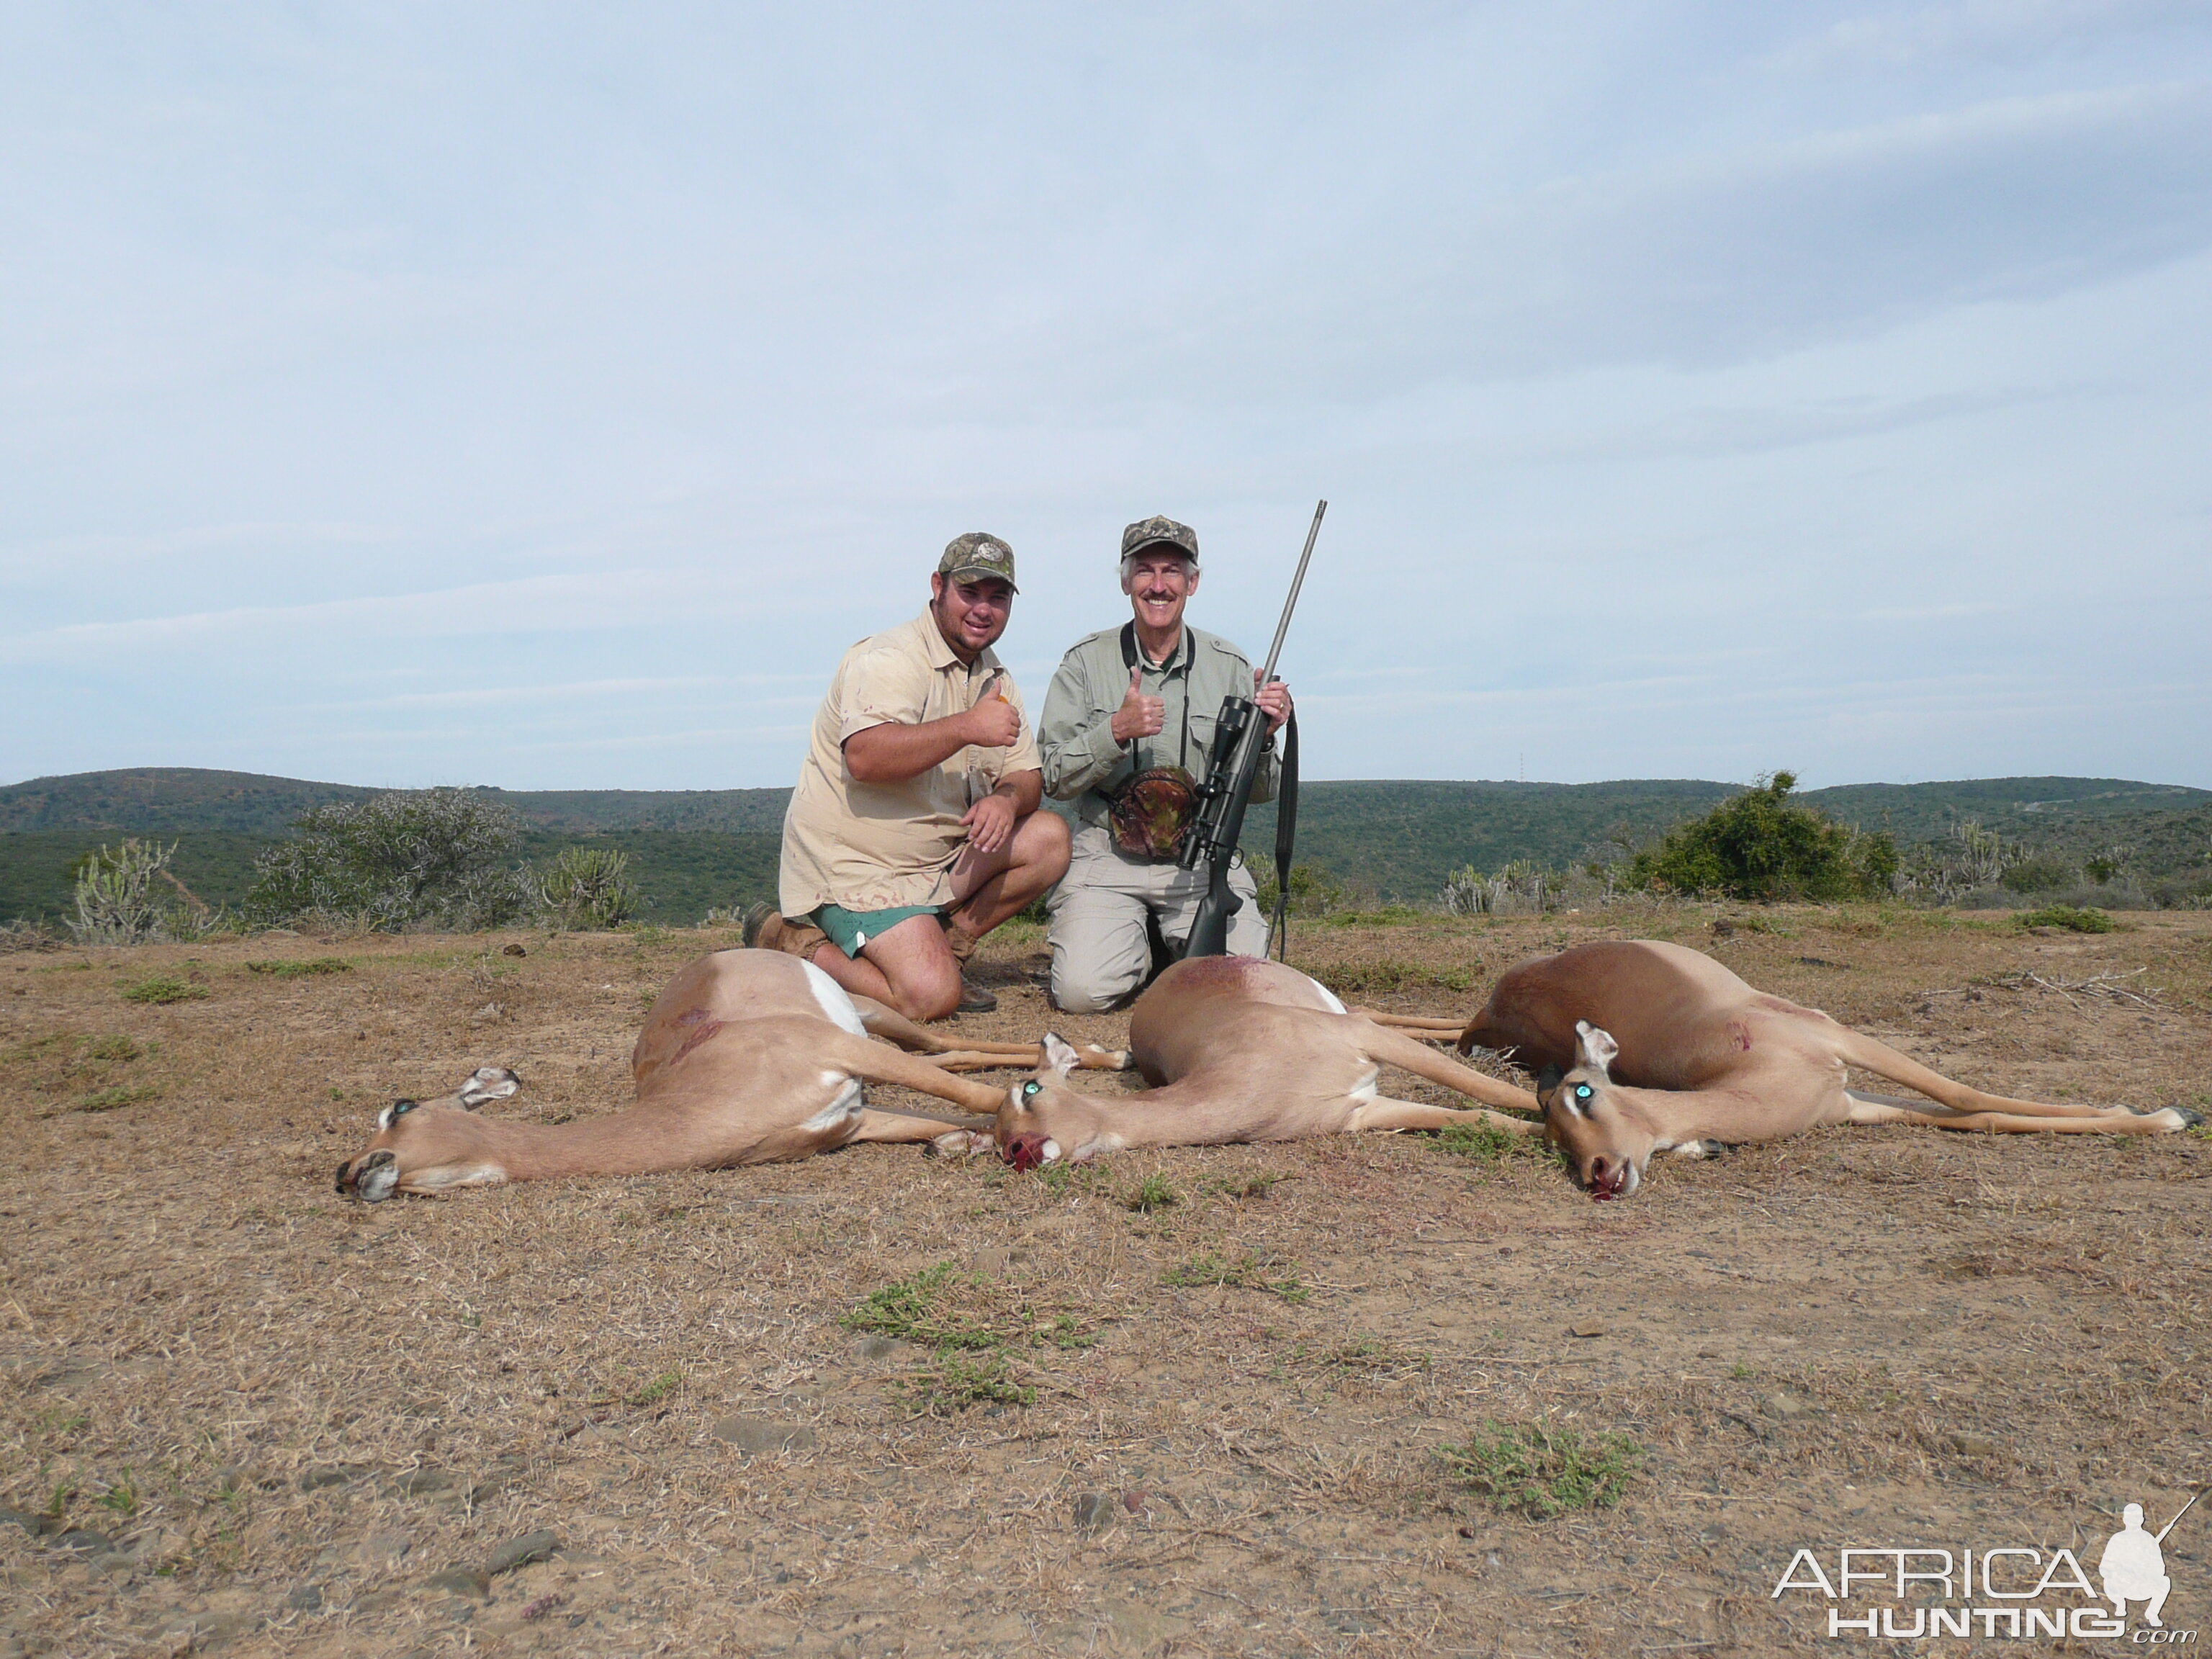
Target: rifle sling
x=1286, y=835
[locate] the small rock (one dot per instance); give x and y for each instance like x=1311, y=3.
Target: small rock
x=491, y=1011
x=883, y=1347
x=1585, y=1330
x=37, y=1525
x=1973, y=1445
x=755, y=1435
x=514, y=950
x=418, y=1483
x=383, y=1546
x=460, y=1581
x=1709, y=1353
x=1134, y=1501
x=544, y=1605
x=308, y=1598
x=520, y=1551
x=1789, y=1405
x=335, y=1474
x=993, y=1263
x=85, y=1541
x=1350, y=1623
x=1093, y=1511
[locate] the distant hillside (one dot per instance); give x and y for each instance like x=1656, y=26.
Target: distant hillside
x=694, y=850
x=171, y=800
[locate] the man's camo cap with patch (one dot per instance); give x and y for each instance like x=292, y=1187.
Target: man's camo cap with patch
x=1157, y=531
x=966, y=557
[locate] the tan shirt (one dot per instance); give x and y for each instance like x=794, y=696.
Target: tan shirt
x=879, y=846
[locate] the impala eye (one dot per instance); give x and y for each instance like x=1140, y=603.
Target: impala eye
x=1584, y=1092
x=1031, y=1087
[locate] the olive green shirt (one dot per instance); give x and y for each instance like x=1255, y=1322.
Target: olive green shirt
x=1075, y=737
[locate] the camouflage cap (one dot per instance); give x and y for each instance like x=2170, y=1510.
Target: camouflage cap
x=975, y=554
x=1157, y=530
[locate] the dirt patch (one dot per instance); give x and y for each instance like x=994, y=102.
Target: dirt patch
x=634, y=1415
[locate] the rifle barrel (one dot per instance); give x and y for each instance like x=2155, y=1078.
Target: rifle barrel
x=1283, y=628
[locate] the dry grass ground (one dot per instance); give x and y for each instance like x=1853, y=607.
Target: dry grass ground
x=243, y=1416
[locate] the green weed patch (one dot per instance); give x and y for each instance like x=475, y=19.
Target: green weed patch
x=307, y=970
x=163, y=988
x=1247, y=1271
x=2072, y=918
x=1543, y=1472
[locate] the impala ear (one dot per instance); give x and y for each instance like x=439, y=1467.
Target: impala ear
x=1594, y=1047
x=486, y=1083
x=1059, y=1056
x=1548, y=1079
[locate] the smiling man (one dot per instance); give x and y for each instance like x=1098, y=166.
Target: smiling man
x=1130, y=713
x=914, y=828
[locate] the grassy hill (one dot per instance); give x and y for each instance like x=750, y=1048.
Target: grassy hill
x=174, y=800
x=695, y=850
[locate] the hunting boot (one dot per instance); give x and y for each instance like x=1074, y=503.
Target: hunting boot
x=766, y=929
x=974, y=999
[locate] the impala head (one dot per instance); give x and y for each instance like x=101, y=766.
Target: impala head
x=1604, y=1136
x=427, y=1147
x=1045, y=1120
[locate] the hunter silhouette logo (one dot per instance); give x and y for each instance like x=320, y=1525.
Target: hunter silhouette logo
x=2009, y=1590
x=2133, y=1567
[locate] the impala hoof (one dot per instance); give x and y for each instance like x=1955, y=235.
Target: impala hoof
x=961, y=1143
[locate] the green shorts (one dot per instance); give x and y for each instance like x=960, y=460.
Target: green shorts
x=850, y=930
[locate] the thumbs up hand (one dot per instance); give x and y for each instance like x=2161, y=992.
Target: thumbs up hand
x=993, y=723
x=1139, y=716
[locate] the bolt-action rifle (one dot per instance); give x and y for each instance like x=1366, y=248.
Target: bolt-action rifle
x=1240, y=734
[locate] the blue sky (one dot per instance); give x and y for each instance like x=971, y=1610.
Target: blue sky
x=545, y=396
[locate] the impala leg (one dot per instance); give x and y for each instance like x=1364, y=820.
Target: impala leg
x=1869, y=1108
x=1856, y=1048
x=1412, y=1021
x=882, y=1064
x=942, y=1139
x=1396, y=1049
x=1384, y=1112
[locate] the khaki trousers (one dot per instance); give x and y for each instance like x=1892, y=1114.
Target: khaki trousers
x=1099, y=951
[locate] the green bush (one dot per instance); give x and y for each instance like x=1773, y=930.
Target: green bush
x=2074, y=918
x=1759, y=845
x=163, y=988
x=588, y=889
x=2036, y=875
x=412, y=857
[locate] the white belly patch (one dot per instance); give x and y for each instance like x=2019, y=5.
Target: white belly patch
x=1365, y=1089
x=834, y=1003
x=847, y=1103
x=1335, y=1003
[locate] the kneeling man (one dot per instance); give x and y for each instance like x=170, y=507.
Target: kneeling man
x=1126, y=702
x=915, y=829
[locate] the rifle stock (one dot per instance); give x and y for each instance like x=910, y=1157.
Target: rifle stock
x=1232, y=765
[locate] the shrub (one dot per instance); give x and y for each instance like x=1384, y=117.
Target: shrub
x=1314, y=890
x=116, y=901
x=2036, y=875
x=2074, y=918
x=588, y=889
x=1759, y=845
x=163, y=988
x=1523, y=887
x=412, y=857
